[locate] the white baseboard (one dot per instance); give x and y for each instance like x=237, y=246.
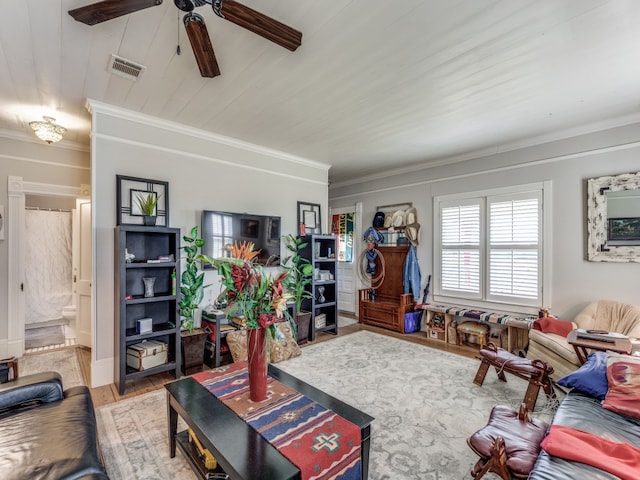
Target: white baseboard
x=102, y=372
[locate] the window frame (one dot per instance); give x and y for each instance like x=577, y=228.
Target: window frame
x=483, y=299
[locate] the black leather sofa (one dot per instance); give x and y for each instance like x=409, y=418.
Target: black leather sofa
x=583, y=412
x=47, y=432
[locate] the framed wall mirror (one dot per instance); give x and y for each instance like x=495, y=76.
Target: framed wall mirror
x=613, y=218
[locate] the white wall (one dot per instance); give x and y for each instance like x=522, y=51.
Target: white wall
x=34, y=161
x=567, y=163
x=205, y=172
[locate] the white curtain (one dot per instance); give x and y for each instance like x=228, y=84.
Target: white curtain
x=47, y=265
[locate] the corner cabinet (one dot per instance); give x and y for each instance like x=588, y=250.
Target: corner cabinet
x=321, y=252
x=146, y=252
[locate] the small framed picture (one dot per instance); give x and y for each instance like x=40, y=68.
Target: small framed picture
x=309, y=219
x=624, y=230
x=130, y=189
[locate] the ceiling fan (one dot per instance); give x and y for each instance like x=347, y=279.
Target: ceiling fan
x=230, y=10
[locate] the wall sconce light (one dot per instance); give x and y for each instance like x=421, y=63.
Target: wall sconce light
x=47, y=130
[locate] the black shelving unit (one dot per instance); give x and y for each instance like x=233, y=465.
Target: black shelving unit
x=321, y=252
x=146, y=243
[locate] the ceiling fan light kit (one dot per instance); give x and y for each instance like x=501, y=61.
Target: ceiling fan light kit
x=230, y=10
x=47, y=130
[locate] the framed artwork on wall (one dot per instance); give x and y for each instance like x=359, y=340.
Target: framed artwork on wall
x=309, y=219
x=626, y=230
x=128, y=189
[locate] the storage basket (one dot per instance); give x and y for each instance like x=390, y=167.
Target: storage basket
x=412, y=321
x=435, y=334
x=452, y=333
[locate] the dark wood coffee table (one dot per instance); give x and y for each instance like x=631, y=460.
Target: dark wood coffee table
x=241, y=452
x=582, y=345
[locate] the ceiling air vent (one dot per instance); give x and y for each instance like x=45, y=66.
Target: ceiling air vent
x=125, y=68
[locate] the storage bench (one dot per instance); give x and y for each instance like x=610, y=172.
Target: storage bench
x=517, y=326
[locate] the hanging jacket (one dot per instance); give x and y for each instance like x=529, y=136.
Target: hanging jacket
x=411, y=277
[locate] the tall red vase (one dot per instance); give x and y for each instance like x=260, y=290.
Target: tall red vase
x=257, y=359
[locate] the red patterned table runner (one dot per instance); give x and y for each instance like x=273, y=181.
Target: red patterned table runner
x=322, y=444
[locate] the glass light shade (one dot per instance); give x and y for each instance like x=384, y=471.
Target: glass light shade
x=47, y=130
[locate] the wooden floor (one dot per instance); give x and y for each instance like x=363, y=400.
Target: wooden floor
x=109, y=393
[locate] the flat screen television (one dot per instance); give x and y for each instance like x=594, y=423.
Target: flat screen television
x=221, y=229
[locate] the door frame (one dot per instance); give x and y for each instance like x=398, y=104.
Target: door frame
x=17, y=188
x=357, y=233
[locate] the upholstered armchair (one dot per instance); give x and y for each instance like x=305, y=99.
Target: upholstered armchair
x=549, y=345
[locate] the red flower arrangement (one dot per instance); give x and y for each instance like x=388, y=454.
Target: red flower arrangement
x=248, y=291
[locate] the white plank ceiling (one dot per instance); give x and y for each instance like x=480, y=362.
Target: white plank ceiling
x=375, y=85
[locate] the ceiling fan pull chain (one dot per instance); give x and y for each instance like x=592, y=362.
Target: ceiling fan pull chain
x=217, y=7
x=178, y=50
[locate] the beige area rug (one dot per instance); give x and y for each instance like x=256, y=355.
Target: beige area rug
x=134, y=440
x=64, y=361
x=423, y=400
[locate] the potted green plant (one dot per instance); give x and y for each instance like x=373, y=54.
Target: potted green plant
x=191, y=294
x=297, y=281
x=147, y=203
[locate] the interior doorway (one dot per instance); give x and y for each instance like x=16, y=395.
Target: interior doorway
x=50, y=309
x=346, y=224
x=40, y=197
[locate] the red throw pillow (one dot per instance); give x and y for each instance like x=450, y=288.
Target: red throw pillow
x=623, y=377
x=553, y=325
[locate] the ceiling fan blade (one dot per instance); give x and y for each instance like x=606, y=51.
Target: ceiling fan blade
x=109, y=9
x=201, y=45
x=258, y=23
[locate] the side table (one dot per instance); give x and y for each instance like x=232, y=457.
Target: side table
x=214, y=320
x=580, y=345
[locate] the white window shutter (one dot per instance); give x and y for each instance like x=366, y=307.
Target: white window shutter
x=514, y=246
x=460, y=266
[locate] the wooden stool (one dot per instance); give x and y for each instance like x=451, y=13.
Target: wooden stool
x=473, y=328
x=508, y=445
x=536, y=372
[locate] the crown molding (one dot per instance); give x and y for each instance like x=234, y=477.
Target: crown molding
x=487, y=152
x=99, y=107
x=539, y=161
